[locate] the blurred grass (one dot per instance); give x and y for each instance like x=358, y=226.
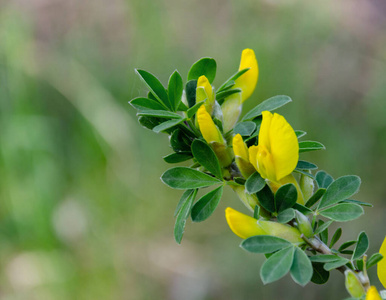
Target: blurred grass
x=83, y=213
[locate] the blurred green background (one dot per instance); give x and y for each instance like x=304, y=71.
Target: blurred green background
x=83, y=214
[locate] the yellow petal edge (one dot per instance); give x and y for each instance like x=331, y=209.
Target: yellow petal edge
x=382, y=265
x=372, y=294
x=242, y=225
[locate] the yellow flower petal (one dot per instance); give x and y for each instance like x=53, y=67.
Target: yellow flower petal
x=209, y=130
x=284, y=146
x=239, y=147
x=247, y=81
x=242, y=225
x=382, y=265
x=372, y=294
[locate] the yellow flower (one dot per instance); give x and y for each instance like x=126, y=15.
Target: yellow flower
x=245, y=226
x=242, y=156
x=372, y=294
x=247, y=81
x=277, y=154
x=231, y=108
x=205, y=91
x=382, y=265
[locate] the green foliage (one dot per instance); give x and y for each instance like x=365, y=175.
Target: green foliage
x=205, y=66
x=206, y=205
x=264, y=244
x=342, y=212
x=269, y=104
x=183, y=208
x=361, y=247
x=285, y=197
x=301, y=269
x=245, y=128
x=205, y=156
x=277, y=265
x=341, y=189
x=254, y=183
x=286, y=215
x=175, y=89
x=307, y=146
x=182, y=178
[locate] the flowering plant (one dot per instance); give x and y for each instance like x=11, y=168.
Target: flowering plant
x=291, y=207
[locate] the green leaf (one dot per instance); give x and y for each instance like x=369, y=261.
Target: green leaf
x=254, y=183
x=307, y=146
x=342, y=212
x=183, y=199
x=223, y=94
x=286, y=215
x=325, y=258
x=335, y=264
x=175, y=89
x=305, y=173
x=357, y=202
x=301, y=269
x=231, y=81
x=315, y=197
x=269, y=104
x=304, y=210
x=266, y=198
x=245, y=128
x=204, y=154
x=323, y=227
x=205, y=66
x=205, y=206
x=323, y=179
x=183, y=214
x=305, y=165
x=155, y=87
x=190, y=90
x=146, y=104
x=178, y=157
x=192, y=111
x=362, y=246
x=300, y=133
x=336, y=237
x=346, y=245
x=277, y=265
x=182, y=178
x=373, y=260
x=159, y=114
x=320, y=275
x=256, y=212
x=264, y=244
x=168, y=124
x=359, y=264
x=342, y=188
x=182, y=107
x=285, y=197
x=179, y=141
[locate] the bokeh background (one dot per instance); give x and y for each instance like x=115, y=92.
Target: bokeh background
x=83, y=214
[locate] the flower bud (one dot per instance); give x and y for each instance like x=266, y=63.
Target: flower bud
x=245, y=226
x=304, y=224
x=307, y=186
x=213, y=137
x=242, y=157
x=231, y=110
x=353, y=285
x=205, y=91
